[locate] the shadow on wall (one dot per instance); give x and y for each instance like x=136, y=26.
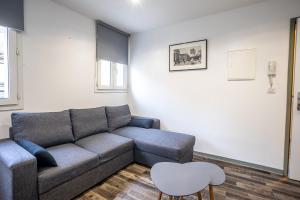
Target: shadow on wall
x=4, y=130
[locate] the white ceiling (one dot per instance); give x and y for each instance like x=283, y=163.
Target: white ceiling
x=150, y=14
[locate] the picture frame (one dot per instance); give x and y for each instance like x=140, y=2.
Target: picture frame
x=188, y=56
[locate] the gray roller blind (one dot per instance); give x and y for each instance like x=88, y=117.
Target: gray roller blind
x=12, y=14
x=112, y=44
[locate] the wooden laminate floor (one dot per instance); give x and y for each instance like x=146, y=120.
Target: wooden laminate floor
x=242, y=183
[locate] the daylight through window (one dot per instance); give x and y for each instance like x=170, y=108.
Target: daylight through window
x=111, y=76
x=8, y=67
x=4, y=73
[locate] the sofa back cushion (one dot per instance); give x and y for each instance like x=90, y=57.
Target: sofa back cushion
x=44, y=129
x=87, y=122
x=117, y=116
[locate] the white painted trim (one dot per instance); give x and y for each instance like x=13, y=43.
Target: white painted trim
x=240, y=163
x=16, y=61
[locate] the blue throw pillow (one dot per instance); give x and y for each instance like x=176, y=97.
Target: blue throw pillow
x=142, y=123
x=44, y=158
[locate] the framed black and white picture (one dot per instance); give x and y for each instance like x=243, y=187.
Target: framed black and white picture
x=188, y=56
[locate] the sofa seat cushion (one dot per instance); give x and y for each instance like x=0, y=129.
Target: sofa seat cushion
x=162, y=143
x=71, y=160
x=106, y=145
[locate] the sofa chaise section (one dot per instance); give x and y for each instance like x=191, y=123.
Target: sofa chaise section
x=153, y=145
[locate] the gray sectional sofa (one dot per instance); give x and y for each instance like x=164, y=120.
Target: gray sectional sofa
x=88, y=145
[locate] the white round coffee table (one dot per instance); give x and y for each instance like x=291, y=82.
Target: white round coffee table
x=178, y=180
x=217, y=175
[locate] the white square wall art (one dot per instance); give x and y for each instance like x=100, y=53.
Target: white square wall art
x=242, y=64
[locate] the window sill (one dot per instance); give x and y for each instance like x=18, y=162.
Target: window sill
x=111, y=91
x=11, y=107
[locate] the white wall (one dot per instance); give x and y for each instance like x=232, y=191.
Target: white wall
x=237, y=120
x=58, y=62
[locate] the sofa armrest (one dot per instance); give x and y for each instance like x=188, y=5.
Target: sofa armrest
x=156, y=122
x=18, y=172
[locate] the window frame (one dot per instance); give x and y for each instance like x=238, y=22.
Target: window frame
x=113, y=88
x=15, y=100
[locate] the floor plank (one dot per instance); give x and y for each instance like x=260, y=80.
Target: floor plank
x=242, y=183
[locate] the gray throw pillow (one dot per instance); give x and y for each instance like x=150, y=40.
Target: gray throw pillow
x=117, y=116
x=141, y=123
x=87, y=122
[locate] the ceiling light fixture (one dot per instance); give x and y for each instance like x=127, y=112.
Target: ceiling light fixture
x=135, y=2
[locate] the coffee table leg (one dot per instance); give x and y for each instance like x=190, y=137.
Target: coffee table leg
x=159, y=195
x=199, y=196
x=211, y=192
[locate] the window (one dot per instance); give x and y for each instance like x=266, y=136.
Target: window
x=8, y=67
x=3, y=64
x=112, y=59
x=111, y=76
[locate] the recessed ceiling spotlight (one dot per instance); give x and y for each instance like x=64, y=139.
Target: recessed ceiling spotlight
x=135, y=2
